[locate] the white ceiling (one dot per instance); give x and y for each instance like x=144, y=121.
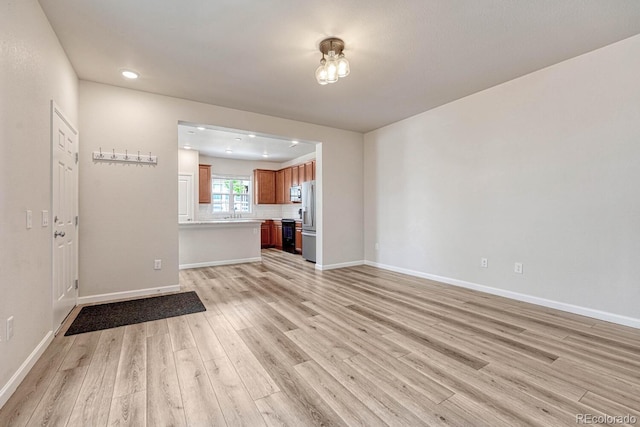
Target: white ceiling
x=235, y=144
x=407, y=56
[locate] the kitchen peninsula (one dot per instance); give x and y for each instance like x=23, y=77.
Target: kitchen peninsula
x=219, y=242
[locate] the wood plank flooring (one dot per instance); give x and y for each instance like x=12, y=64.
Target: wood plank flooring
x=284, y=344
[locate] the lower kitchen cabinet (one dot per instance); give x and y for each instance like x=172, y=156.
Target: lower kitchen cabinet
x=277, y=234
x=299, y=237
x=265, y=234
x=271, y=234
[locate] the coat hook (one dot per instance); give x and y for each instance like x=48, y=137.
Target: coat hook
x=101, y=155
x=113, y=151
x=126, y=154
x=139, y=158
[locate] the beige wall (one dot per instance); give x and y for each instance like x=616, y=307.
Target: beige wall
x=33, y=71
x=129, y=213
x=542, y=170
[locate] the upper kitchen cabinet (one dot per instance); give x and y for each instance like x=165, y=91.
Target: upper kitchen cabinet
x=280, y=191
x=310, y=171
x=264, y=183
x=287, y=184
x=205, y=183
x=272, y=187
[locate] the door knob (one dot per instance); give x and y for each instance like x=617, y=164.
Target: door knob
x=58, y=233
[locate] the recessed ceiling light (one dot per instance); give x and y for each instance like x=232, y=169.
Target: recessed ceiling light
x=200, y=128
x=187, y=147
x=191, y=132
x=238, y=139
x=265, y=155
x=294, y=142
x=130, y=74
x=251, y=135
x=228, y=150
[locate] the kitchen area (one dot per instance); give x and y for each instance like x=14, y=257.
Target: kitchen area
x=240, y=193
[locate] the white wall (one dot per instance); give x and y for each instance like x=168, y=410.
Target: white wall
x=219, y=244
x=129, y=214
x=542, y=170
x=33, y=71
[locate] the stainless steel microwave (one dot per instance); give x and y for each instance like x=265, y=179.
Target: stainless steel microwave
x=295, y=194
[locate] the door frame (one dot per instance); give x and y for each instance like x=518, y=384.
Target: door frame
x=191, y=194
x=56, y=110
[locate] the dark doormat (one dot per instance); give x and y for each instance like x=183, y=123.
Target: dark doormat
x=111, y=315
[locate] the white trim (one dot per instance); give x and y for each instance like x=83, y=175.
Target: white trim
x=13, y=383
x=576, y=309
x=216, y=263
x=127, y=294
x=339, y=265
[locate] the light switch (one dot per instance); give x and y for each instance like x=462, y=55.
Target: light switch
x=45, y=218
x=29, y=219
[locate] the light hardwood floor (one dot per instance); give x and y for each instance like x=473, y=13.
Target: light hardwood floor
x=283, y=344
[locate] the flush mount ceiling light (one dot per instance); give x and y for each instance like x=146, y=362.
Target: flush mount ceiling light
x=130, y=74
x=335, y=65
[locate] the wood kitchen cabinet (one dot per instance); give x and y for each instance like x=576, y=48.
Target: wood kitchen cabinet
x=310, y=171
x=272, y=187
x=277, y=234
x=299, y=237
x=287, y=185
x=300, y=172
x=264, y=183
x=204, y=184
x=280, y=200
x=266, y=230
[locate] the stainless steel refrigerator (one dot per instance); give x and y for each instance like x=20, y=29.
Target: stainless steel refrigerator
x=309, y=221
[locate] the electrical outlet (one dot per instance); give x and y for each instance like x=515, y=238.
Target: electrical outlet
x=29, y=219
x=157, y=264
x=517, y=268
x=484, y=262
x=45, y=218
x=9, y=328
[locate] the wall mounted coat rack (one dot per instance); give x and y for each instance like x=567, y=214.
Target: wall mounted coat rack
x=112, y=156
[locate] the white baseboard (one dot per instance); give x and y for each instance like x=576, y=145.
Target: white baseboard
x=215, y=263
x=339, y=265
x=127, y=294
x=576, y=309
x=11, y=386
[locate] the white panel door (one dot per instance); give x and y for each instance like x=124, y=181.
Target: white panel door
x=185, y=197
x=64, y=210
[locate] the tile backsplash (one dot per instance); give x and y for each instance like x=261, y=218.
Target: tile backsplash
x=259, y=211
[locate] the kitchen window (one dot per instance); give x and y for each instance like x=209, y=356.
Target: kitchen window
x=230, y=194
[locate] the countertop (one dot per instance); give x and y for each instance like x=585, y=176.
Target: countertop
x=234, y=221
